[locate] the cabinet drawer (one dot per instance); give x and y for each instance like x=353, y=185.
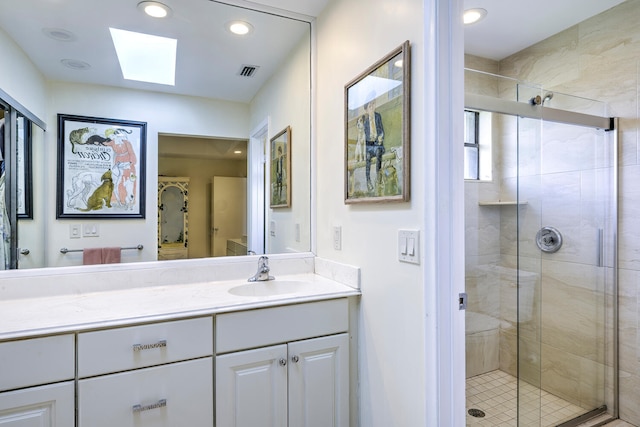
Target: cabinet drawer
x=36, y=361
x=266, y=326
x=122, y=349
x=179, y=394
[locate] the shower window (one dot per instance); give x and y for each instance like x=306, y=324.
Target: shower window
x=477, y=145
x=471, y=145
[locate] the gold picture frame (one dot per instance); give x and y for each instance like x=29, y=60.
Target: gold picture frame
x=280, y=170
x=377, y=131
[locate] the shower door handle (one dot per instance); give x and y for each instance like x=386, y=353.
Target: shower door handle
x=600, y=247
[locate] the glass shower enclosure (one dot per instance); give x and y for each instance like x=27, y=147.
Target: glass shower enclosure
x=541, y=225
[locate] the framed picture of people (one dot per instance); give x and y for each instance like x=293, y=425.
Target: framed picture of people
x=101, y=168
x=280, y=169
x=377, y=131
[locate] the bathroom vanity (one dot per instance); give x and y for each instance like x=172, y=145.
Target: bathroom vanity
x=180, y=354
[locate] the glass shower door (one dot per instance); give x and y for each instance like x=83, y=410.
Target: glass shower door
x=565, y=261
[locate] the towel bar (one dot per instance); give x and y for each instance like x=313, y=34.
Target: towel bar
x=65, y=250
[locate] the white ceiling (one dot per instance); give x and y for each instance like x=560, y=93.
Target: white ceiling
x=304, y=7
x=512, y=25
x=209, y=58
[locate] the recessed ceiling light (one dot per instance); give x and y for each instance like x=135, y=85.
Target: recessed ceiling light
x=75, y=64
x=239, y=28
x=144, y=57
x=59, y=34
x=237, y=152
x=471, y=16
x=155, y=9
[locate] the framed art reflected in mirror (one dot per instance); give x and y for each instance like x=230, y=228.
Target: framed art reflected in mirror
x=280, y=176
x=101, y=168
x=24, y=176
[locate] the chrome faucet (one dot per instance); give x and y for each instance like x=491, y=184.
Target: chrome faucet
x=262, y=274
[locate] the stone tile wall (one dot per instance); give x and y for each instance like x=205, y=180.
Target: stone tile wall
x=597, y=59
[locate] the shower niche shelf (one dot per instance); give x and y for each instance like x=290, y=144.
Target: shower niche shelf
x=502, y=203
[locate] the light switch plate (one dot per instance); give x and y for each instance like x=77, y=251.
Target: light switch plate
x=409, y=246
x=91, y=230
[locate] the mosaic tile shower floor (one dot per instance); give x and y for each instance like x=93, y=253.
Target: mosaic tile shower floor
x=495, y=393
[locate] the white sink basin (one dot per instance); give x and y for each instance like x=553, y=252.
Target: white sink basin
x=268, y=288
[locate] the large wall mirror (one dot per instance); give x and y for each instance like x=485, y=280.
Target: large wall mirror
x=231, y=94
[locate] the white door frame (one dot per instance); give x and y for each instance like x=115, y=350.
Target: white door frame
x=443, y=268
x=256, y=187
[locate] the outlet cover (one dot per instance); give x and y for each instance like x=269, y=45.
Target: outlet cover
x=75, y=231
x=337, y=238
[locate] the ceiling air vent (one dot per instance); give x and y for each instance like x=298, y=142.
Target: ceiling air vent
x=248, y=70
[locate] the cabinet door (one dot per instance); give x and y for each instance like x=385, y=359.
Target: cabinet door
x=251, y=388
x=319, y=382
x=46, y=406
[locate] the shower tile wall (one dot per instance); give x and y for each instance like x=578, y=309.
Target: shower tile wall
x=595, y=59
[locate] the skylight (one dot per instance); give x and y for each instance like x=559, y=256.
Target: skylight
x=144, y=57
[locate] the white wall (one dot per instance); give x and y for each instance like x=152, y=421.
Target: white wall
x=22, y=80
x=285, y=101
x=167, y=114
x=411, y=332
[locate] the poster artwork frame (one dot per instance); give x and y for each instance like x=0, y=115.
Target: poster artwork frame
x=96, y=156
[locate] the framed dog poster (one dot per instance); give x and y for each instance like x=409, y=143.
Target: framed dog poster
x=280, y=176
x=101, y=168
x=377, y=131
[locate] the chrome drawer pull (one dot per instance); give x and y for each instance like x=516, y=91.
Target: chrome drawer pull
x=140, y=347
x=159, y=404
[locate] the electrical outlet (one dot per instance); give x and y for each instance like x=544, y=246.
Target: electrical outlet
x=74, y=231
x=337, y=238
x=297, y=231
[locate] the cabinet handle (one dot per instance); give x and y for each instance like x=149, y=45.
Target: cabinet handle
x=159, y=404
x=140, y=347
x=283, y=362
x=295, y=359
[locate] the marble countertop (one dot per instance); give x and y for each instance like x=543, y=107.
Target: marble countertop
x=54, y=314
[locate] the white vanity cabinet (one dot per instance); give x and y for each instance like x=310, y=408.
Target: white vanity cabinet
x=156, y=375
x=284, y=366
x=36, y=382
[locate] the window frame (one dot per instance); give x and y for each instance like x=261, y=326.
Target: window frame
x=475, y=145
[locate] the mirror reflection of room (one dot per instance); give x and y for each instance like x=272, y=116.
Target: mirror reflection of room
x=211, y=175
x=37, y=43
